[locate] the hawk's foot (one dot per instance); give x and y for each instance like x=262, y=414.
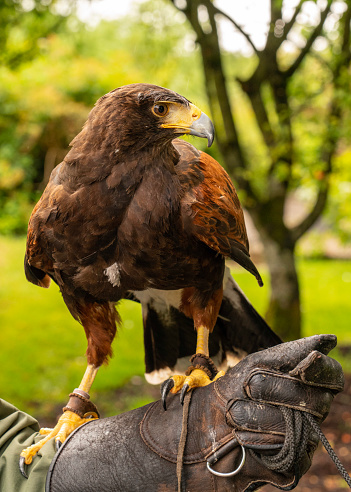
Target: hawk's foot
x=201, y=373
x=78, y=411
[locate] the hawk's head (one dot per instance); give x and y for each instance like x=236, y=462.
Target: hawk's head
x=139, y=115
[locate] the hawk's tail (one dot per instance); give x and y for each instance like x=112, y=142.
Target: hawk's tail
x=170, y=338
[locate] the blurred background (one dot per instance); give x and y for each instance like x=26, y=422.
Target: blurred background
x=275, y=78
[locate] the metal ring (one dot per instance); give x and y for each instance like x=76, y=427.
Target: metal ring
x=230, y=474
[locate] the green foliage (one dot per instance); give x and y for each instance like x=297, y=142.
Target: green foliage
x=25, y=24
x=54, y=68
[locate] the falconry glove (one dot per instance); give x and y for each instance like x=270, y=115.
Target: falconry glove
x=274, y=391
x=242, y=432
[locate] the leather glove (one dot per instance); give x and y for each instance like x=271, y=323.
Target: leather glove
x=273, y=391
x=257, y=408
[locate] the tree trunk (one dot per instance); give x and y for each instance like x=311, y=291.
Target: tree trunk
x=283, y=313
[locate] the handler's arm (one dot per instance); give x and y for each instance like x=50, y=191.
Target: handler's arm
x=17, y=431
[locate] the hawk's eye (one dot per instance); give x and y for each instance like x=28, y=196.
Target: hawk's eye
x=160, y=109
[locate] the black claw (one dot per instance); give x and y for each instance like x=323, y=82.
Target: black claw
x=165, y=389
x=58, y=444
x=21, y=466
x=183, y=393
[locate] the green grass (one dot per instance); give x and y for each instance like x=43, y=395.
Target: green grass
x=42, y=348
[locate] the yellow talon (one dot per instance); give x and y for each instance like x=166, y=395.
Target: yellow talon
x=196, y=379
x=178, y=383
x=66, y=424
x=219, y=375
x=44, y=431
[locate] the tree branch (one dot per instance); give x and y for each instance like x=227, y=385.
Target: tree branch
x=288, y=26
x=298, y=231
x=276, y=10
x=276, y=14
x=345, y=46
x=216, y=10
x=259, y=109
x=346, y=40
x=191, y=18
x=292, y=69
x=217, y=93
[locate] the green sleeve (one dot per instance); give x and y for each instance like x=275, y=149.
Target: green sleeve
x=19, y=430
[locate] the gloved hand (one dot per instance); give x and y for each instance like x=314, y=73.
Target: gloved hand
x=257, y=408
x=268, y=395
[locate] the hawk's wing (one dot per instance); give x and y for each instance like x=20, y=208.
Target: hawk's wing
x=211, y=207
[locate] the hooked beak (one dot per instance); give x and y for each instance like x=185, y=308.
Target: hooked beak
x=188, y=120
x=203, y=127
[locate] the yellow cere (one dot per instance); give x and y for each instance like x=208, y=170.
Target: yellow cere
x=179, y=116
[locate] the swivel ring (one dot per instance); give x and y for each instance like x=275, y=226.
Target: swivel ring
x=232, y=473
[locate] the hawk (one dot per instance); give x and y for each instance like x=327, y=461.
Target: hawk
x=132, y=211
